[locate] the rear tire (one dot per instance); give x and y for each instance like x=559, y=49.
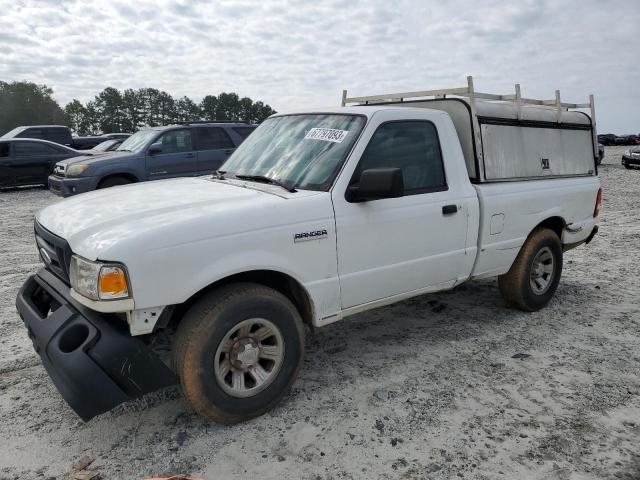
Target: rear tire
x=535, y=274
x=237, y=352
x=113, y=182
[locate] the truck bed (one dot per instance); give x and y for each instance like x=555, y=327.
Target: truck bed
x=509, y=210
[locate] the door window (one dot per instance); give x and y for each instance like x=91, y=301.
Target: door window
x=58, y=135
x=213, y=138
x=176, y=141
x=412, y=146
x=31, y=133
x=30, y=149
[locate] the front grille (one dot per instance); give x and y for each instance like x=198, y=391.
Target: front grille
x=54, y=251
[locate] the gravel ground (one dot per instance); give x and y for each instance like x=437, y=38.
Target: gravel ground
x=426, y=388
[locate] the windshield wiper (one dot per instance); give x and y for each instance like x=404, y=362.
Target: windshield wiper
x=272, y=181
x=122, y=150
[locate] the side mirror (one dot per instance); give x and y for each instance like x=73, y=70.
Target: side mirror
x=155, y=148
x=377, y=183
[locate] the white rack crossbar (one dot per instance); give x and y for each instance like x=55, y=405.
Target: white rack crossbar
x=470, y=93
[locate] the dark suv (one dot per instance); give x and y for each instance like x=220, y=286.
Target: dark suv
x=152, y=154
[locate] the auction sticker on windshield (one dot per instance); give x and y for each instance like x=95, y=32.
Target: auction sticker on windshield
x=327, y=134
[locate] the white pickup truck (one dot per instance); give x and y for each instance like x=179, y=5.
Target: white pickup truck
x=318, y=215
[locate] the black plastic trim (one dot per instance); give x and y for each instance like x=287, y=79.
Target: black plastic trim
x=91, y=358
x=532, y=123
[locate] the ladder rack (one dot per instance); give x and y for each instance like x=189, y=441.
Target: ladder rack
x=470, y=93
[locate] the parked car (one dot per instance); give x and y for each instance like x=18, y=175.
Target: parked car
x=62, y=135
x=107, y=146
x=630, y=139
x=631, y=158
x=607, y=139
x=25, y=161
x=317, y=216
x=152, y=154
x=600, y=153
x=92, y=141
x=53, y=133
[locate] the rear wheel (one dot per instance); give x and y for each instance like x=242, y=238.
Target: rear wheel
x=113, y=181
x=534, y=276
x=237, y=352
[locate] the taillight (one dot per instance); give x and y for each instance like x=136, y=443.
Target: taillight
x=596, y=211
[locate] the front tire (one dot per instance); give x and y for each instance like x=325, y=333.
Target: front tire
x=113, y=182
x=535, y=274
x=238, y=351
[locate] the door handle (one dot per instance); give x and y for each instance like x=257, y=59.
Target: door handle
x=229, y=151
x=449, y=209
x=189, y=155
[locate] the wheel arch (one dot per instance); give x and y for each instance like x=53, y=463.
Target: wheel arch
x=128, y=175
x=556, y=224
x=279, y=281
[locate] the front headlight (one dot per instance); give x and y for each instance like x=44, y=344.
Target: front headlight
x=76, y=170
x=627, y=153
x=97, y=280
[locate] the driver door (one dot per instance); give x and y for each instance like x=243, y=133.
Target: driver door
x=394, y=246
x=176, y=159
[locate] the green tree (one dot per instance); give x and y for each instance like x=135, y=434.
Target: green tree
x=228, y=107
x=246, y=109
x=187, y=110
x=110, y=110
x=75, y=115
x=131, y=110
x=209, y=107
x=26, y=103
x=261, y=112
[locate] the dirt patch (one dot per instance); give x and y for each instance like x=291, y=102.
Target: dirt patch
x=441, y=386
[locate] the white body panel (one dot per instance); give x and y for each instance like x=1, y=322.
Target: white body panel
x=179, y=236
x=524, y=205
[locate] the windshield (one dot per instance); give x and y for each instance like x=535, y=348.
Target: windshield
x=303, y=151
x=13, y=133
x=137, y=141
x=104, y=146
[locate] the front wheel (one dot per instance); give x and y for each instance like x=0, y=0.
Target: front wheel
x=113, y=182
x=534, y=276
x=238, y=351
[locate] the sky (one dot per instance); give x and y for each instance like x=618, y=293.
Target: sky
x=299, y=53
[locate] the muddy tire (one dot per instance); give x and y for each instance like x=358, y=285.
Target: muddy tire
x=237, y=352
x=534, y=276
x=114, y=181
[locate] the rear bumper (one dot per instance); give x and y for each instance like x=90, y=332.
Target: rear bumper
x=65, y=187
x=90, y=357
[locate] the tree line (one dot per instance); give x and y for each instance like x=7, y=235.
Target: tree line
x=112, y=110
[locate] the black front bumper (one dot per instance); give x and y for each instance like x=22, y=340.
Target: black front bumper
x=630, y=160
x=91, y=357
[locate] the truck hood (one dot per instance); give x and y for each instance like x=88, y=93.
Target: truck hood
x=168, y=212
x=93, y=157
